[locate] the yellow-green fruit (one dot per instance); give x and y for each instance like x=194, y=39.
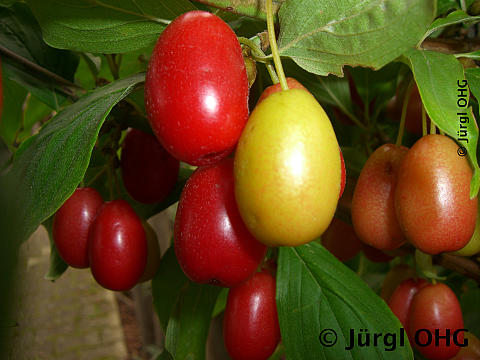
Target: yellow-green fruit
x=473, y=245
x=287, y=170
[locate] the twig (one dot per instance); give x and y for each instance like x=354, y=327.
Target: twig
x=66, y=87
x=451, y=46
x=460, y=264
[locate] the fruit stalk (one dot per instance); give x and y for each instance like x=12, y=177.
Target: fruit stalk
x=259, y=56
x=273, y=46
x=401, y=128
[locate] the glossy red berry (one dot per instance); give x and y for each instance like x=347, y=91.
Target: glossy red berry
x=117, y=246
x=212, y=243
x=435, y=308
x=402, y=297
x=196, y=88
x=251, y=330
x=149, y=172
x=71, y=224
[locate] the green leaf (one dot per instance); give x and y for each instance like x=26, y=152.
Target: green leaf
x=5, y=155
x=316, y=292
x=108, y=26
x=14, y=96
x=354, y=160
x=57, y=265
x=469, y=301
x=330, y=90
x=165, y=355
x=48, y=166
x=7, y=3
x=473, y=78
x=456, y=17
x=188, y=326
x=323, y=36
x=21, y=35
x=379, y=85
x=475, y=55
x=438, y=76
x=221, y=302
x=166, y=286
x=444, y=5
x=253, y=8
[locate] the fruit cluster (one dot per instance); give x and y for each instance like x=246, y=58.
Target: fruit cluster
x=427, y=311
x=281, y=187
x=419, y=194
x=269, y=178
x=420, y=198
x=108, y=237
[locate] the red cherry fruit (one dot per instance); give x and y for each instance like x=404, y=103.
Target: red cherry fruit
x=71, y=224
x=436, y=309
x=294, y=84
x=373, y=208
x=340, y=239
x=117, y=246
x=250, y=329
x=212, y=243
x=402, y=297
x=432, y=198
x=196, y=88
x=149, y=172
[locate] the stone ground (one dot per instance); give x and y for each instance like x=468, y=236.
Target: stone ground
x=71, y=318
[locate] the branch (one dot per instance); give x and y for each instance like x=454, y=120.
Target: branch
x=65, y=85
x=451, y=46
x=460, y=264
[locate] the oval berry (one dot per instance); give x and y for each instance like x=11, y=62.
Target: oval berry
x=401, y=299
x=250, y=329
x=117, y=246
x=212, y=243
x=71, y=225
x=432, y=197
x=196, y=88
x=373, y=207
x=435, y=308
